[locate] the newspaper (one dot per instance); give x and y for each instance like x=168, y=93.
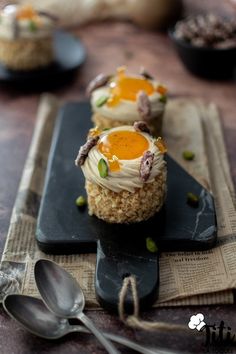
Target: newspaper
x=186, y=278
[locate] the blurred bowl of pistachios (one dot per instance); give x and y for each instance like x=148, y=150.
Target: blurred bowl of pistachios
x=206, y=44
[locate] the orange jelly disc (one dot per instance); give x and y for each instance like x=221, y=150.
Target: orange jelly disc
x=127, y=88
x=122, y=145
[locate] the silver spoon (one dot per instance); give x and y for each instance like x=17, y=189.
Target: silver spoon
x=34, y=316
x=62, y=295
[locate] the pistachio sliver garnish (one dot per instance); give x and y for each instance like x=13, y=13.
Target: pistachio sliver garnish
x=101, y=101
x=103, y=168
x=80, y=201
x=163, y=98
x=192, y=200
x=32, y=26
x=188, y=155
x=151, y=245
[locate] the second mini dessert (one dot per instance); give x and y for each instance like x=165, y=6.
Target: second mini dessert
x=123, y=99
x=26, y=41
x=125, y=173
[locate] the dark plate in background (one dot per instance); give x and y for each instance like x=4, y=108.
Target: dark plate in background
x=69, y=55
x=206, y=62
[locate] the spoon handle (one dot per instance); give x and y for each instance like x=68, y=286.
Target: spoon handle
x=132, y=345
x=126, y=342
x=98, y=334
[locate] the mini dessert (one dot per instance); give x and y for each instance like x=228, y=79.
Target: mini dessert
x=125, y=173
x=123, y=99
x=25, y=37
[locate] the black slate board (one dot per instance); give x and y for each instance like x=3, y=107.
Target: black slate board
x=69, y=55
x=121, y=249
x=62, y=227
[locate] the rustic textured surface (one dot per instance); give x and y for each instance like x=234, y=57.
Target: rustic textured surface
x=110, y=45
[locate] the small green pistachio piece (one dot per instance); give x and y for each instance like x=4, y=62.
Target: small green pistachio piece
x=151, y=245
x=32, y=26
x=192, y=200
x=103, y=168
x=101, y=101
x=80, y=201
x=163, y=98
x=106, y=129
x=188, y=155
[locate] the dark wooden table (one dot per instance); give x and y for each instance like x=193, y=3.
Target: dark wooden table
x=110, y=45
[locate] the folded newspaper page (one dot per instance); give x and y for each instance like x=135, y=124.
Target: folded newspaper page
x=186, y=278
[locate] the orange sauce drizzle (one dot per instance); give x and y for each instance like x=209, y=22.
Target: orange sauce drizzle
x=114, y=164
x=27, y=12
x=127, y=87
x=162, y=90
x=94, y=132
x=161, y=145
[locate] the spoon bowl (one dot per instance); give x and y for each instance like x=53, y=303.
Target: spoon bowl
x=59, y=289
x=32, y=314
x=64, y=296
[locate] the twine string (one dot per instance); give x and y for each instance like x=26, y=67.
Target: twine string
x=134, y=320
